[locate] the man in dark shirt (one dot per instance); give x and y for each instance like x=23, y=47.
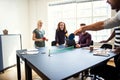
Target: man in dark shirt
x=84, y=39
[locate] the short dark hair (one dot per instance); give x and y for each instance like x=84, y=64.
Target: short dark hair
x=82, y=24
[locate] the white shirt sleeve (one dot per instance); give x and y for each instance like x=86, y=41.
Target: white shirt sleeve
x=112, y=22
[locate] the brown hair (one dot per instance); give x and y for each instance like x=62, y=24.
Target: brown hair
x=58, y=27
x=82, y=24
x=117, y=2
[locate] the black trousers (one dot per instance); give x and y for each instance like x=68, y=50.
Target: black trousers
x=106, y=71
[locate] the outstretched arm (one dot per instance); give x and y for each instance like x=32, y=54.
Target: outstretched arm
x=93, y=27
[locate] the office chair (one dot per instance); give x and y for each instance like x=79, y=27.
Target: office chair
x=70, y=43
x=53, y=43
x=106, y=46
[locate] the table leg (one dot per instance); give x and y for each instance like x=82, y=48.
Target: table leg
x=28, y=71
x=82, y=75
x=18, y=68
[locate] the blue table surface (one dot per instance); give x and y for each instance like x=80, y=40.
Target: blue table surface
x=64, y=64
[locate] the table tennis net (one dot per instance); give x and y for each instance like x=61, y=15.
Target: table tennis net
x=55, y=50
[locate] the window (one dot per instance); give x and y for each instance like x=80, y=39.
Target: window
x=74, y=13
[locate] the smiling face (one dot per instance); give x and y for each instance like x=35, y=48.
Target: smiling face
x=62, y=25
x=114, y=4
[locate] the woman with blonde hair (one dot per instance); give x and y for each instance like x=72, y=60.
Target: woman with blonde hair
x=38, y=35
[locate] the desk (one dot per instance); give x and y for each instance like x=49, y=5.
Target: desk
x=60, y=65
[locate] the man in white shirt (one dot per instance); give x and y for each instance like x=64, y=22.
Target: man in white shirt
x=107, y=72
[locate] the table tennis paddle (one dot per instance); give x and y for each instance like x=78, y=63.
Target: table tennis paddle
x=44, y=38
x=71, y=36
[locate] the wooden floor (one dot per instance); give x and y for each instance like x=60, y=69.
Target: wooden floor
x=11, y=73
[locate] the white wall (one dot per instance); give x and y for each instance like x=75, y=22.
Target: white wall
x=21, y=16
x=38, y=11
x=14, y=17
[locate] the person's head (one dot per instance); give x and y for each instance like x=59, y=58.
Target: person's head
x=83, y=24
x=61, y=26
x=115, y=4
x=39, y=24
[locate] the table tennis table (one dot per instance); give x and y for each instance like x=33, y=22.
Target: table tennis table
x=58, y=63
